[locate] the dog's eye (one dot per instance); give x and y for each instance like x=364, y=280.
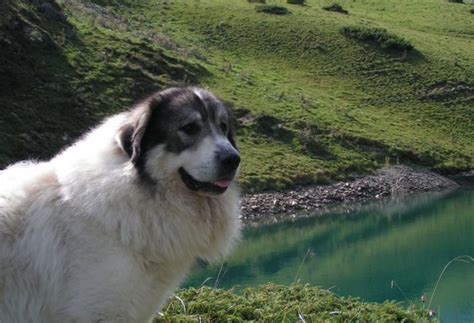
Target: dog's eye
x=224, y=127
x=190, y=129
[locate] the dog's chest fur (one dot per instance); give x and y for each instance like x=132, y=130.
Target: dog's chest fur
x=148, y=266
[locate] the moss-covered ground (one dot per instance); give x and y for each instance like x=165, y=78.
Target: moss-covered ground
x=274, y=303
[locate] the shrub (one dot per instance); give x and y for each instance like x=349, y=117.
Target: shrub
x=336, y=8
x=380, y=36
x=272, y=9
x=472, y=11
x=456, y=1
x=295, y=1
x=257, y=1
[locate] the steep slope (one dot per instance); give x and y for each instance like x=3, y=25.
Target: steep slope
x=62, y=69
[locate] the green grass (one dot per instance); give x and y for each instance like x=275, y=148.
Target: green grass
x=336, y=8
x=272, y=9
x=281, y=304
x=379, y=36
x=339, y=106
x=59, y=78
x=300, y=2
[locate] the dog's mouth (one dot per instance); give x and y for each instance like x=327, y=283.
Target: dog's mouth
x=216, y=187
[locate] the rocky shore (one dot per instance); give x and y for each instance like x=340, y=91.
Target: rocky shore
x=390, y=181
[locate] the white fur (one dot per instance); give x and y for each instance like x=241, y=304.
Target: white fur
x=82, y=240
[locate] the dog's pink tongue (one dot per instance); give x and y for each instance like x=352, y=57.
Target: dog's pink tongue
x=223, y=183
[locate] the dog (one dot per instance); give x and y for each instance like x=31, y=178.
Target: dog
x=108, y=228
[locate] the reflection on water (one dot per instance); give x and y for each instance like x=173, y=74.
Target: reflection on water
x=361, y=252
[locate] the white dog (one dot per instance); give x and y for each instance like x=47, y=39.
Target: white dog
x=108, y=228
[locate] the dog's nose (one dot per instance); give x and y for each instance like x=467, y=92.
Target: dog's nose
x=230, y=162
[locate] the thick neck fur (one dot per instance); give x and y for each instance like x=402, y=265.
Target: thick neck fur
x=133, y=213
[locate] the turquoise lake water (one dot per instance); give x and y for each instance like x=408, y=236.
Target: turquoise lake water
x=392, y=249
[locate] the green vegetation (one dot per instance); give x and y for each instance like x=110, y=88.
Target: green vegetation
x=295, y=1
x=272, y=9
x=379, y=36
x=281, y=304
x=336, y=8
x=60, y=77
x=336, y=106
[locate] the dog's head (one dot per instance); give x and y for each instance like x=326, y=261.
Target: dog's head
x=182, y=133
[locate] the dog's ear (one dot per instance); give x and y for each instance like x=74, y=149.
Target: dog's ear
x=124, y=139
x=130, y=135
x=141, y=131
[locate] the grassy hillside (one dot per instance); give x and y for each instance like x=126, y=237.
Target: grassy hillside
x=312, y=103
x=62, y=69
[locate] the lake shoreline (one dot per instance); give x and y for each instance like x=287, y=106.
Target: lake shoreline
x=268, y=207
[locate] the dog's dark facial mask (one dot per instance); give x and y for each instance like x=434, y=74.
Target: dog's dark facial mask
x=185, y=131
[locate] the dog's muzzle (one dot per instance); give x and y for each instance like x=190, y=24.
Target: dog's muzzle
x=228, y=164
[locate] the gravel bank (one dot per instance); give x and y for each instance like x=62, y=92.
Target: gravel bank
x=397, y=180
